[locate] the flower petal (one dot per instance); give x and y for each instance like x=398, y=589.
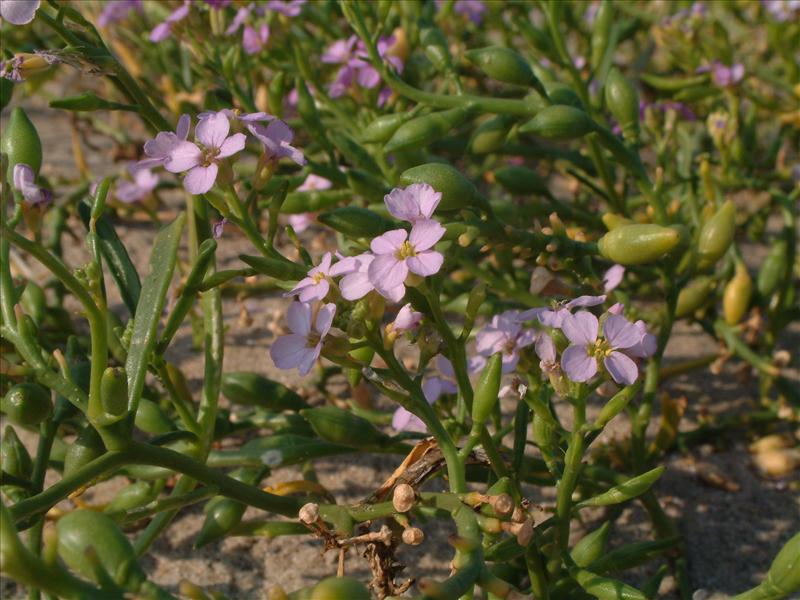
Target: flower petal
x=317, y=291
x=308, y=360
x=622, y=368
x=299, y=318
x=182, y=157
x=200, y=179
x=389, y=242
x=613, y=277
x=580, y=328
x=289, y=351
x=182, y=130
x=553, y=318
x=401, y=204
x=426, y=263
x=355, y=286
x=212, y=131
x=545, y=348
x=577, y=363
x=387, y=272
x=232, y=145
x=18, y=12
x=585, y=301
x=621, y=333
x=424, y=234
x=325, y=318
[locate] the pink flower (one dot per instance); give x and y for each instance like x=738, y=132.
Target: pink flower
x=291, y=8
x=158, y=149
x=144, y=182
x=647, y=345
x=317, y=284
x=240, y=19
x=352, y=54
x=405, y=420
x=202, y=164
x=505, y=334
x=414, y=203
x=395, y=256
x=406, y=320
x=445, y=382
x=302, y=347
x=613, y=277
x=25, y=181
x=554, y=317
x=254, y=40
x=164, y=29
x=117, y=10
x=313, y=183
x=546, y=351
x=277, y=138
x=357, y=284
x=579, y=360
x=301, y=222
x=472, y=9
x=18, y=12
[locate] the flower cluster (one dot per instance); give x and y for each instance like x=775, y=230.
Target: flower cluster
x=356, y=68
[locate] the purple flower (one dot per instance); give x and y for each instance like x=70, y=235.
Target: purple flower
x=647, y=344
x=397, y=253
x=357, y=284
x=353, y=55
x=202, y=163
x=158, y=149
x=277, y=138
x=505, y=334
x=413, y=203
x=406, y=320
x=218, y=4
x=472, y=9
x=292, y=8
x=254, y=40
x=18, y=12
x=723, y=75
x=545, y=349
x=219, y=228
x=144, y=182
x=554, y=317
x=317, y=284
x=25, y=181
x=241, y=17
x=164, y=29
x=301, y=348
x=781, y=10
x=117, y=10
x=579, y=360
x=613, y=277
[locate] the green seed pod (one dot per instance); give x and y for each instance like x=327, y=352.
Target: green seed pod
x=33, y=302
x=135, y=495
x=251, y=389
x=604, y=588
x=114, y=391
x=615, y=405
x=737, y=294
x=355, y=221
x=784, y=572
x=635, y=486
x=506, y=65
x=543, y=434
x=151, y=419
x=83, y=450
x=340, y=588
x=773, y=269
x=282, y=270
x=622, y=100
x=383, y=128
x=422, y=131
x=693, y=296
x=491, y=134
x=222, y=515
x=561, y=93
x=487, y=390
x=27, y=404
x=343, y=427
x=434, y=44
x=21, y=142
x=521, y=180
x=457, y=191
x=364, y=356
x=601, y=32
x=82, y=532
x=275, y=93
x=631, y=555
x=560, y=122
x=638, y=244
x=591, y=546
x=716, y=235
x=14, y=457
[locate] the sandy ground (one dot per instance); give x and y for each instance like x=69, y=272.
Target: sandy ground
x=730, y=536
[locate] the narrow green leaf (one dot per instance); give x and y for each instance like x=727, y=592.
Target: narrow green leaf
x=150, y=306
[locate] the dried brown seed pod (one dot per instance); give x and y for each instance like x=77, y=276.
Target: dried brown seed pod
x=413, y=536
x=309, y=513
x=519, y=515
x=404, y=498
x=503, y=504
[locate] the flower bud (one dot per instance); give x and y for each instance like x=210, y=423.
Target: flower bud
x=491, y=134
x=622, y=100
x=693, y=296
x=27, y=404
x=638, y=243
x=403, y=498
x=21, y=143
x=736, y=297
x=150, y=418
x=591, y=546
x=601, y=33
x=503, y=504
x=716, y=235
x=86, y=447
x=774, y=268
x=457, y=191
x=560, y=122
x=384, y=127
x=487, y=390
x=114, y=391
x=413, y=536
x=422, y=131
x=135, y=495
x=355, y=221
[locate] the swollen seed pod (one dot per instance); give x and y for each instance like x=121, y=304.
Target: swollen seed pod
x=14, y=457
x=504, y=64
x=413, y=536
x=21, y=142
x=383, y=128
x=422, y=131
x=693, y=296
x=151, y=419
x=343, y=427
x=355, y=221
x=27, y=404
x=784, y=572
x=86, y=447
x=135, y=495
x=631, y=488
x=773, y=269
x=601, y=32
x=487, y=390
x=491, y=134
x=604, y=588
x=457, y=191
x=638, y=243
x=737, y=294
x=222, y=515
x=403, y=498
x=716, y=235
x=434, y=44
x=622, y=100
x=615, y=405
x=114, y=391
x=560, y=122
x=82, y=531
x=340, y=588
x=251, y=389
x=521, y=180
x=591, y=546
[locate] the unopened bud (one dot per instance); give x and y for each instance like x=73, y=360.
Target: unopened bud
x=309, y=513
x=404, y=498
x=413, y=536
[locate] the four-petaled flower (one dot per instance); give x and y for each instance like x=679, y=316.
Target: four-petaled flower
x=505, y=334
x=203, y=163
x=277, y=139
x=157, y=150
x=397, y=252
x=413, y=203
x=317, y=284
x=579, y=360
x=302, y=347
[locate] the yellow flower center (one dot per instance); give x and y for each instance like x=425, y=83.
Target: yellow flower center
x=317, y=277
x=600, y=349
x=406, y=251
